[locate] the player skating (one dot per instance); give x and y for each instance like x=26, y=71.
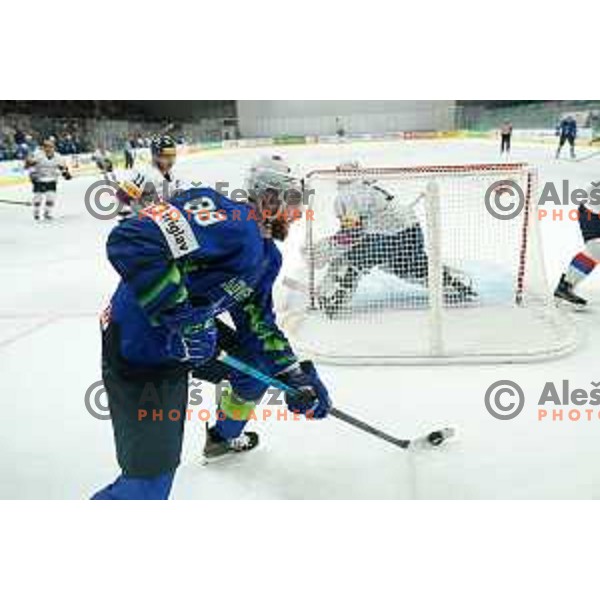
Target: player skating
x=182, y=263
x=104, y=164
x=45, y=167
x=154, y=182
x=505, y=138
x=129, y=154
x=585, y=261
x=567, y=130
x=375, y=230
x=339, y=129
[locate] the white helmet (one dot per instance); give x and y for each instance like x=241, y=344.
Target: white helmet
x=347, y=172
x=274, y=162
x=272, y=173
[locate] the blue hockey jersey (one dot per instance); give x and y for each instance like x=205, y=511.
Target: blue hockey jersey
x=199, y=249
x=567, y=127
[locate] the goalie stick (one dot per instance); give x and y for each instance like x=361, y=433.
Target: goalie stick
x=435, y=438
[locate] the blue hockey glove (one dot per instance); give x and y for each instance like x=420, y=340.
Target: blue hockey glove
x=192, y=334
x=313, y=399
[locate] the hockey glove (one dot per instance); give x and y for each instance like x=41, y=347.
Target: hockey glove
x=192, y=335
x=313, y=399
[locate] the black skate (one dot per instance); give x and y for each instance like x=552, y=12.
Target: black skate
x=564, y=291
x=215, y=447
x=458, y=292
x=334, y=305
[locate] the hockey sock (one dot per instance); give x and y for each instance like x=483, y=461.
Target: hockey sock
x=37, y=205
x=50, y=198
x=581, y=266
x=233, y=414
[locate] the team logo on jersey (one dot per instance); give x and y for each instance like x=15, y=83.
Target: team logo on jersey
x=175, y=228
x=238, y=289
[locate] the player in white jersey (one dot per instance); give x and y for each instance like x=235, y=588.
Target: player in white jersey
x=154, y=182
x=585, y=261
x=45, y=167
x=104, y=163
x=376, y=230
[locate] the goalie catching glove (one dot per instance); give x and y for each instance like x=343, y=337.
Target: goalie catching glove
x=313, y=399
x=192, y=335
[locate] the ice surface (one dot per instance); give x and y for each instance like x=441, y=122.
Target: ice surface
x=56, y=279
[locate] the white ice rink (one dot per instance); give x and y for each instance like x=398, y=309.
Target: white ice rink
x=55, y=279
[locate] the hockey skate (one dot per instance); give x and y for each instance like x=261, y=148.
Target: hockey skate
x=340, y=285
x=457, y=291
x=564, y=291
x=215, y=447
x=333, y=305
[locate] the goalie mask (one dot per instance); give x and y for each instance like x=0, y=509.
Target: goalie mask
x=347, y=172
x=276, y=194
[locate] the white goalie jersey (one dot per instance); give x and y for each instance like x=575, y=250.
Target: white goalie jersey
x=375, y=210
x=363, y=208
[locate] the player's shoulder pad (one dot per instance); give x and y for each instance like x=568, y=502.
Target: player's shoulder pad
x=136, y=240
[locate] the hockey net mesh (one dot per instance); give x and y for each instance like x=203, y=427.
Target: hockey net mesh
x=407, y=264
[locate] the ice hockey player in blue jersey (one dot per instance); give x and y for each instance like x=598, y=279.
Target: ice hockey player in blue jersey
x=182, y=262
x=567, y=130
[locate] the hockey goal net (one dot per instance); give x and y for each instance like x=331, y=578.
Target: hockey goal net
x=409, y=264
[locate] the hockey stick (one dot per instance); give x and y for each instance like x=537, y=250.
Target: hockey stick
x=435, y=438
x=21, y=202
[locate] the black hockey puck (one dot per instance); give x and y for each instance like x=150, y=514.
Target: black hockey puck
x=435, y=438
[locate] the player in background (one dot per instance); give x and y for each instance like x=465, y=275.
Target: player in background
x=505, y=138
x=104, y=163
x=339, y=129
x=129, y=153
x=585, y=261
x=45, y=167
x=567, y=130
x=376, y=230
x=154, y=182
x=182, y=263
